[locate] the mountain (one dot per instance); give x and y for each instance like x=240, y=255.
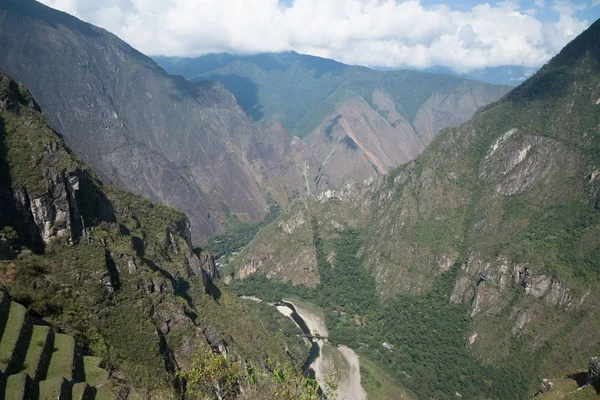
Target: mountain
x=91, y=274
x=188, y=145
x=511, y=75
x=477, y=264
x=352, y=122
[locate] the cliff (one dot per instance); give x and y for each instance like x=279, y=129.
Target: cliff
x=112, y=269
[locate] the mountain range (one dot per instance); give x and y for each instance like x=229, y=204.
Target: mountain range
x=445, y=230
x=186, y=144
x=478, y=261
x=351, y=122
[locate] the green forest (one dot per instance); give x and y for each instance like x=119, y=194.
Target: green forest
x=425, y=334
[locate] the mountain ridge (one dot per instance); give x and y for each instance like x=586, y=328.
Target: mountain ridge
x=352, y=122
x=134, y=124
x=496, y=223
x=112, y=273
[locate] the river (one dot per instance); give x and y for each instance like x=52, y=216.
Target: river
x=325, y=359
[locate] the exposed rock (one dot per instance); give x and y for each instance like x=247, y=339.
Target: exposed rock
x=522, y=319
x=124, y=262
x=290, y=226
x=444, y=261
x=460, y=289
x=559, y=294
x=156, y=285
x=251, y=267
x=488, y=299
x=593, y=373
x=203, y=266
x=545, y=386
x=538, y=286
x=108, y=285
x=9, y=95
x=208, y=265
x=54, y=213
x=473, y=338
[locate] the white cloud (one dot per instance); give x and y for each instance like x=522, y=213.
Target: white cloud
x=368, y=32
x=595, y=3
x=539, y=3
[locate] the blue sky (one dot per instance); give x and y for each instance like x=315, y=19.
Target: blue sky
x=464, y=35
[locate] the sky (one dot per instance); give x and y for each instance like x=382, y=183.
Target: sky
x=464, y=35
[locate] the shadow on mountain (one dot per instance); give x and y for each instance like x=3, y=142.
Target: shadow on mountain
x=580, y=378
x=93, y=204
x=11, y=218
x=332, y=124
x=350, y=143
x=244, y=90
x=213, y=291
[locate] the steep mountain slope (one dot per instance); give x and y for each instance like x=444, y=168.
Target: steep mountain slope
x=355, y=122
x=511, y=75
x=112, y=269
x=482, y=253
x=186, y=145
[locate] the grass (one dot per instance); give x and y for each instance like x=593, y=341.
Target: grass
x=16, y=387
x=567, y=388
x=51, y=389
x=61, y=362
x=104, y=393
x=28, y=134
x=80, y=391
x=35, y=351
x=10, y=337
x=4, y=308
x=94, y=375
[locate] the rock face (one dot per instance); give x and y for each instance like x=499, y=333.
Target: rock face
x=54, y=213
x=594, y=369
x=546, y=386
x=355, y=122
x=187, y=145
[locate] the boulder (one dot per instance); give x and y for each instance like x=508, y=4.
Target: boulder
x=594, y=369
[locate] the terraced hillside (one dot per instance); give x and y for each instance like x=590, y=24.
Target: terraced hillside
x=38, y=363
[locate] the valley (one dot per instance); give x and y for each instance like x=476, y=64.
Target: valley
x=269, y=225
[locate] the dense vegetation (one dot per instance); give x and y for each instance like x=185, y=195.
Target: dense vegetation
x=238, y=233
x=217, y=376
x=425, y=348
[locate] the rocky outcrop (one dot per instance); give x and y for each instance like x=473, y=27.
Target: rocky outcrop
x=55, y=213
x=546, y=386
x=9, y=95
x=486, y=283
x=203, y=265
x=251, y=267
x=593, y=373
x=297, y=221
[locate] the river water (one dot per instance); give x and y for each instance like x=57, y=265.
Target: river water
x=321, y=363
x=314, y=346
